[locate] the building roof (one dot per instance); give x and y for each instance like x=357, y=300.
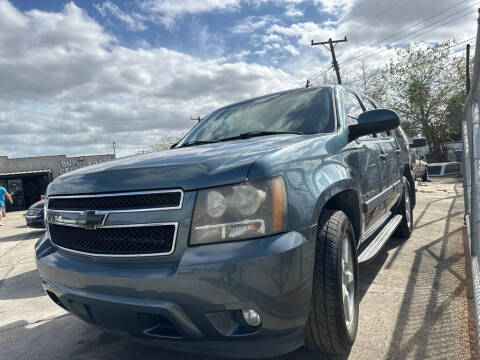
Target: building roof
x=26, y=172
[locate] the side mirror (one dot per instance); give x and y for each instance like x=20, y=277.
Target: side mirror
x=419, y=142
x=173, y=145
x=373, y=121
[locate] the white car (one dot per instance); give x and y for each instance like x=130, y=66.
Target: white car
x=443, y=169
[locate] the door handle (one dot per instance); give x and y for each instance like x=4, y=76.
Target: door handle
x=397, y=151
x=383, y=157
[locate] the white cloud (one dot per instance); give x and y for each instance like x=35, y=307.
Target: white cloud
x=252, y=23
x=302, y=32
x=291, y=49
x=292, y=11
x=68, y=86
x=133, y=21
x=168, y=11
x=71, y=88
x=333, y=6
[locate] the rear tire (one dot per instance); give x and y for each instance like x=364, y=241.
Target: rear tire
x=333, y=319
x=405, y=209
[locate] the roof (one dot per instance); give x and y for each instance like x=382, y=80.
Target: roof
x=26, y=172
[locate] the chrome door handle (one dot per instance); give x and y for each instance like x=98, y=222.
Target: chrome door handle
x=383, y=157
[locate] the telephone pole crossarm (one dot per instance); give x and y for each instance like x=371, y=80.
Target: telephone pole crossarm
x=332, y=51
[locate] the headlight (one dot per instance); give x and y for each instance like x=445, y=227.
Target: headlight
x=239, y=212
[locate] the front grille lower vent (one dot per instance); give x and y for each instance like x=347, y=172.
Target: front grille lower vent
x=169, y=199
x=139, y=240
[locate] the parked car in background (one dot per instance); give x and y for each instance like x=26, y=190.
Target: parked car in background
x=419, y=165
x=421, y=170
x=35, y=215
x=444, y=169
x=243, y=240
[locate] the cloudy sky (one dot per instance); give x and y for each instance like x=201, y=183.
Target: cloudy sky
x=77, y=75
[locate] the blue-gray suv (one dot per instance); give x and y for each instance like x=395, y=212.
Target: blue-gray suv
x=244, y=239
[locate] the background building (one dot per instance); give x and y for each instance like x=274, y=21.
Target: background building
x=26, y=179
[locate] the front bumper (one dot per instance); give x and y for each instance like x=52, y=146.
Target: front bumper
x=35, y=221
x=193, y=304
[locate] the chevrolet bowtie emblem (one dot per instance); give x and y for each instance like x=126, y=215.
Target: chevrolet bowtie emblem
x=91, y=219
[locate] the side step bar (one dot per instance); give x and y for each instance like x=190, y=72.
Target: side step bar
x=377, y=244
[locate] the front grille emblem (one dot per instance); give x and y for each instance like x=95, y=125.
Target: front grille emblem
x=92, y=219
x=88, y=219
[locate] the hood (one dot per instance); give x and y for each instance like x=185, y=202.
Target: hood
x=188, y=168
x=37, y=205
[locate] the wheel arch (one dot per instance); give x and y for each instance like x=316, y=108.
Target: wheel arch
x=342, y=196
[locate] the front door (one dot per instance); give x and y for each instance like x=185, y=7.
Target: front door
x=368, y=169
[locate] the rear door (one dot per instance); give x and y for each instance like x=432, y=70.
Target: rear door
x=369, y=171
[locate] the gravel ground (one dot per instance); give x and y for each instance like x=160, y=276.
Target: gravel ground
x=416, y=298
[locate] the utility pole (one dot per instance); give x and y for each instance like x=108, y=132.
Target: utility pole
x=199, y=119
x=114, y=154
x=468, y=69
x=332, y=51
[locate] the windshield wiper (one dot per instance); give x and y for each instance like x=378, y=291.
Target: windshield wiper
x=251, y=134
x=246, y=135
x=197, y=142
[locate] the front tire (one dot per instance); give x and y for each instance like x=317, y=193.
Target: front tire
x=405, y=209
x=333, y=319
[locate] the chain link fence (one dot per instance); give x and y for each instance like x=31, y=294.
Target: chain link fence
x=471, y=167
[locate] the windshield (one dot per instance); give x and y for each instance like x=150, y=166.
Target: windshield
x=308, y=111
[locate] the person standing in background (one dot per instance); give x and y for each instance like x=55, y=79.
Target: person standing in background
x=3, y=194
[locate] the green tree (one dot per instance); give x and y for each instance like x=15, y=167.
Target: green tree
x=164, y=142
x=425, y=85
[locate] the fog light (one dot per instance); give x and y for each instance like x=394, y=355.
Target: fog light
x=251, y=317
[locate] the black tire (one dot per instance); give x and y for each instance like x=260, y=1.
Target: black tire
x=405, y=228
x=326, y=329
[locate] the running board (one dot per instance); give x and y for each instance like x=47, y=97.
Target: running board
x=377, y=244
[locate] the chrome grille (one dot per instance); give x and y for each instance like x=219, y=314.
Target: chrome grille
x=87, y=224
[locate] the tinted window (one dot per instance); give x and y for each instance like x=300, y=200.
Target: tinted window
x=434, y=170
x=309, y=111
x=452, y=168
x=353, y=108
x=369, y=105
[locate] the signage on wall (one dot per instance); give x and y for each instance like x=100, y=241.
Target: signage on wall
x=69, y=165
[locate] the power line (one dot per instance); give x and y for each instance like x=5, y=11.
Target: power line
x=383, y=71
x=331, y=43
x=321, y=72
x=410, y=27
x=374, y=52
x=382, y=50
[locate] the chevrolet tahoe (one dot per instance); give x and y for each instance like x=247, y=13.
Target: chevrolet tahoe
x=244, y=239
